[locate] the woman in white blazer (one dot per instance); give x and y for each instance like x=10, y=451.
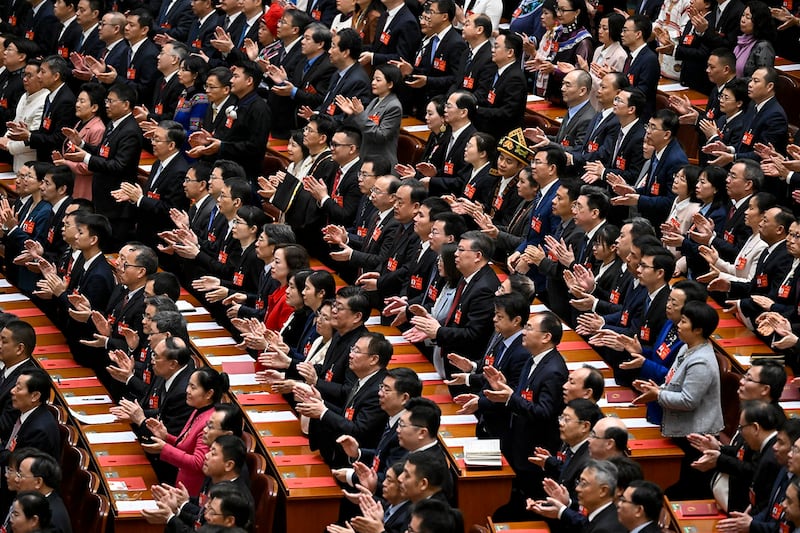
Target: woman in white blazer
x=30, y=109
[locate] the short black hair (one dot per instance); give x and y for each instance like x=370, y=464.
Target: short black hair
x=47, y=468
x=552, y=324
x=22, y=333
x=233, y=419
x=772, y=374
x=649, y=496
x=515, y=305
x=166, y=283
x=38, y=381
x=406, y=381
x=436, y=516
x=586, y=410
x=597, y=198
x=357, y=300
x=767, y=415
x=425, y=413
x=350, y=42
x=701, y=315
x=380, y=346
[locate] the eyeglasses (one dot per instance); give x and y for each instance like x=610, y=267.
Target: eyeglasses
x=740, y=427
x=749, y=379
x=562, y=10
x=154, y=140
x=356, y=350
x=362, y=174
x=461, y=250
x=385, y=388
x=208, y=87
x=309, y=130
x=645, y=266
x=653, y=127
x=126, y=265
x=336, y=306
x=111, y=101
x=337, y=145
x=19, y=475
x=565, y=419
x=187, y=179
x=403, y=425
x=376, y=191
x=618, y=100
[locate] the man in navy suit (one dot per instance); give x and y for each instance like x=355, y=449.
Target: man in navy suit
x=350, y=80
x=140, y=70
x=476, y=70
x=163, y=190
x=112, y=34
x=201, y=31
x=41, y=26
x=639, y=508
x=35, y=427
x=602, y=130
x=641, y=67
x=397, y=35
x=504, y=107
x=360, y=416
x=468, y=322
x=722, y=27
x=41, y=472
x=533, y=406
x=69, y=35
x=458, y=113
x=114, y=160
x=17, y=341
x=505, y=353
x=174, y=19
x=652, y=194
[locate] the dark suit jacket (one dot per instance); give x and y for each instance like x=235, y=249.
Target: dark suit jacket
x=313, y=85
x=644, y=73
x=398, y=40
x=475, y=75
x=493, y=418
x=61, y=114
x=402, y=253
x=153, y=211
x=283, y=108
x=124, y=314
x=176, y=21
x=694, y=53
x=371, y=252
x=247, y=140
x=656, y=197
x=117, y=57
x=572, y=132
x=735, y=233
x=362, y=418
x=8, y=414
x=92, y=45
x=322, y=11
x=44, y=28
x=172, y=407
x=165, y=99
x=630, y=159
x=53, y=243
x=598, y=143
x=774, y=269
x=355, y=84
x=470, y=325
x=448, y=180
x=608, y=522
x=534, y=422
x=421, y=274
x=566, y=472
x=542, y=221
x=40, y=430
x=507, y=110
x=68, y=42
x=398, y=522
x=387, y=452
x=143, y=72
x=200, y=35
x=442, y=71
x=724, y=32
x=628, y=319
x=59, y=521
x=768, y=126
x=333, y=382
x=199, y=218
x=124, y=145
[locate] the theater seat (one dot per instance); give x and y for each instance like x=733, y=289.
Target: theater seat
x=93, y=515
x=409, y=149
x=256, y=464
x=265, y=494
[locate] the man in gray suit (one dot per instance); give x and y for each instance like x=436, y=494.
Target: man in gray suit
x=576, y=88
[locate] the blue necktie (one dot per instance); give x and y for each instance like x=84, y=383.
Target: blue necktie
x=434, y=46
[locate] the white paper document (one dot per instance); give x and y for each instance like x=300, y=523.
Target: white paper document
x=88, y=400
x=459, y=419
x=216, y=360
x=271, y=416
x=633, y=423
x=184, y=306
x=214, y=341
x=578, y=364
x=13, y=297
x=458, y=442
x=4, y=284
x=397, y=339
x=534, y=98
x=672, y=87
x=417, y=128
x=202, y=326
x=93, y=419
x=788, y=68
x=242, y=379
x=429, y=376
x=134, y=506
x=538, y=308
x=110, y=437
x=373, y=321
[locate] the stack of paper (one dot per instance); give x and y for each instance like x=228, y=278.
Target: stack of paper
x=483, y=453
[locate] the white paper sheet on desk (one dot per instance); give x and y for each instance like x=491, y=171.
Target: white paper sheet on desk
x=184, y=306
x=4, y=284
x=216, y=360
x=242, y=379
x=788, y=68
x=790, y=405
x=134, y=506
x=429, y=376
x=538, y=308
x=534, y=98
x=88, y=400
x=459, y=419
x=8, y=175
x=609, y=382
x=202, y=326
x=458, y=442
x=578, y=364
x=214, y=341
x=373, y=321
x=633, y=423
x=13, y=297
x=271, y=416
x=93, y=419
x=146, y=168
x=743, y=360
x=110, y=437
x=397, y=339
x=417, y=128
x=672, y=87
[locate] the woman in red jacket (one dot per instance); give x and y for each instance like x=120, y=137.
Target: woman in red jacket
x=187, y=451
x=286, y=260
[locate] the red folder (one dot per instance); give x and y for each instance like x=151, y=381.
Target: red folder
x=290, y=440
x=621, y=396
x=408, y=358
x=28, y=312
x=239, y=367
x=730, y=323
x=52, y=348
x=133, y=483
x=574, y=345
x=261, y=398
x=440, y=398
x=301, y=459
x=44, y=330
x=309, y=482
x=49, y=364
x=741, y=341
x=706, y=509
x=650, y=444
x=78, y=383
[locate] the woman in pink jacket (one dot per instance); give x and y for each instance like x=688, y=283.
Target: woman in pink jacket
x=187, y=451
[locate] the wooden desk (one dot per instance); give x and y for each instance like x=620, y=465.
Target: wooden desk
x=518, y=527
x=692, y=524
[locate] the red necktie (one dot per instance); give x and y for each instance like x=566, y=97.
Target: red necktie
x=456, y=300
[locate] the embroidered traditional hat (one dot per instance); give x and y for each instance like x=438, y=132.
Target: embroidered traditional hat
x=514, y=145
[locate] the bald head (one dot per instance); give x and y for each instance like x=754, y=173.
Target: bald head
x=609, y=438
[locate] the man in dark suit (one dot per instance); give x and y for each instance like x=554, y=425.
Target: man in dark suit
x=113, y=161
x=88, y=16
x=722, y=28
x=534, y=406
x=694, y=55
x=167, y=89
x=140, y=70
x=477, y=70
x=57, y=191
x=18, y=51
x=115, y=53
x=576, y=88
x=641, y=67
x=41, y=473
x=322, y=11
x=653, y=194
x=14, y=15
x=773, y=266
x=163, y=190
x=438, y=63
x=248, y=124
x=309, y=82
x=626, y=157
x=504, y=107
x=639, y=508
x=361, y=415
x=201, y=31
x=505, y=353
x=397, y=35
x=18, y=341
x=350, y=80
x=215, y=121
x=68, y=32
x=290, y=32
x=41, y=26
x=174, y=19
x=58, y=112
x=35, y=426
x=458, y=113
x=469, y=317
